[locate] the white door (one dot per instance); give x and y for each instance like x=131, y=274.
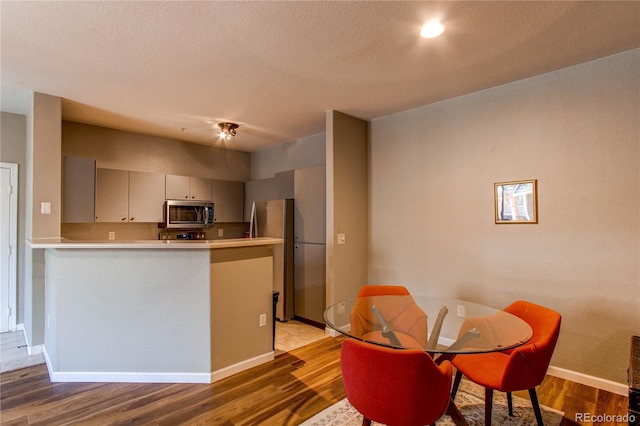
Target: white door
x=8, y=243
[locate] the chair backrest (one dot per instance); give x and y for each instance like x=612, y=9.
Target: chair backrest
x=382, y=290
x=394, y=386
x=404, y=317
x=528, y=364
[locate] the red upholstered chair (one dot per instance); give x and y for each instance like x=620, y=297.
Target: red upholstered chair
x=403, y=316
x=521, y=368
x=394, y=386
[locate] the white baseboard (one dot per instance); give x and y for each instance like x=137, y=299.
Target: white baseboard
x=584, y=379
x=31, y=350
x=127, y=377
x=241, y=366
x=150, y=377
x=37, y=349
x=328, y=331
x=47, y=361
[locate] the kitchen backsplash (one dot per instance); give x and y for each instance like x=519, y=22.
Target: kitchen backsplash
x=141, y=231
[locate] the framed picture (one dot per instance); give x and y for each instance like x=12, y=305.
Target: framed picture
x=516, y=202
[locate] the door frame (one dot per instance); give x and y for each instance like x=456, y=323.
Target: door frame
x=13, y=243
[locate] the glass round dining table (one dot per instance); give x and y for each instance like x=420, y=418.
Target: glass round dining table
x=442, y=327
x=434, y=324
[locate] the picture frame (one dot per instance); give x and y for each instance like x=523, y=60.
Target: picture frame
x=516, y=202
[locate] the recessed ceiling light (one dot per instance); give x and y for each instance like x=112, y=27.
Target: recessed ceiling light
x=431, y=29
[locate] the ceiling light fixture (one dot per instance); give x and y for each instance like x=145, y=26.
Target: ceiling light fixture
x=431, y=29
x=227, y=130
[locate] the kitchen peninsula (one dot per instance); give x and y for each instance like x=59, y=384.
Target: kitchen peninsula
x=156, y=311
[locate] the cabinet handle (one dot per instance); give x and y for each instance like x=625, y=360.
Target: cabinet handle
x=193, y=196
x=123, y=219
x=132, y=219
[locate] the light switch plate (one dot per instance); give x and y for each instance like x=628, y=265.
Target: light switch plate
x=45, y=207
x=342, y=239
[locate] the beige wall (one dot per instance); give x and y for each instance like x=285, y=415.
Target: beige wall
x=303, y=153
x=43, y=148
x=347, y=204
x=46, y=170
x=118, y=149
x=432, y=215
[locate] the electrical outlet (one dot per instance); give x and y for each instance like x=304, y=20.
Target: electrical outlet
x=220, y=232
x=342, y=239
x=112, y=236
x=263, y=320
x=461, y=311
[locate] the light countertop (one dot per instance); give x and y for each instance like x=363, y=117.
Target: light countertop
x=64, y=243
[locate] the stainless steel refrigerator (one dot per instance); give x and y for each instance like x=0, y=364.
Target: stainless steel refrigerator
x=274, y=218
x=309, y=247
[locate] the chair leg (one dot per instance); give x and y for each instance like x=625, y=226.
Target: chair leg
x=366, y=421
x=456, y=383
x=488, y=405
x=536, y=405
x=510, y=403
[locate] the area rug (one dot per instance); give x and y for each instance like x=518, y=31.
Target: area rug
x=470, y=401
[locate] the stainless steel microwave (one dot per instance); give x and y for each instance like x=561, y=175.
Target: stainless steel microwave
x=180, y=214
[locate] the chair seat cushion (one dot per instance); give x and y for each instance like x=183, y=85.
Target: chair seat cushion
x=484, y=369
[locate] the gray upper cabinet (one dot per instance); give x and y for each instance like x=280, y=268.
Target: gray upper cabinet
x=146, y=196
x=123, y=196
x=257, y=190
x=112, y=195
x=284, y=182
x=228, y=200
x=187, y=188
x=78, y=190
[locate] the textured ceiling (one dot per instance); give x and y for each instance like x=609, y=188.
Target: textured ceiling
x=175, y=69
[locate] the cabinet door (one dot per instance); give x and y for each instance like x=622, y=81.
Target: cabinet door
x=78, y=190
x=285, y=184
x=177, y=187
x=112, y=195
x=228, y=200
x=309, y=205
x=309, y=279
x=146, y=196
x=199, y=189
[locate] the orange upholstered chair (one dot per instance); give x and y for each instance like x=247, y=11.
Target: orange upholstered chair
x=394, y=386
x=403, y=316
x=521, y=368
x=383, y=290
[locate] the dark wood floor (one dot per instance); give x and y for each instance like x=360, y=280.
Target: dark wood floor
x=286, y=391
